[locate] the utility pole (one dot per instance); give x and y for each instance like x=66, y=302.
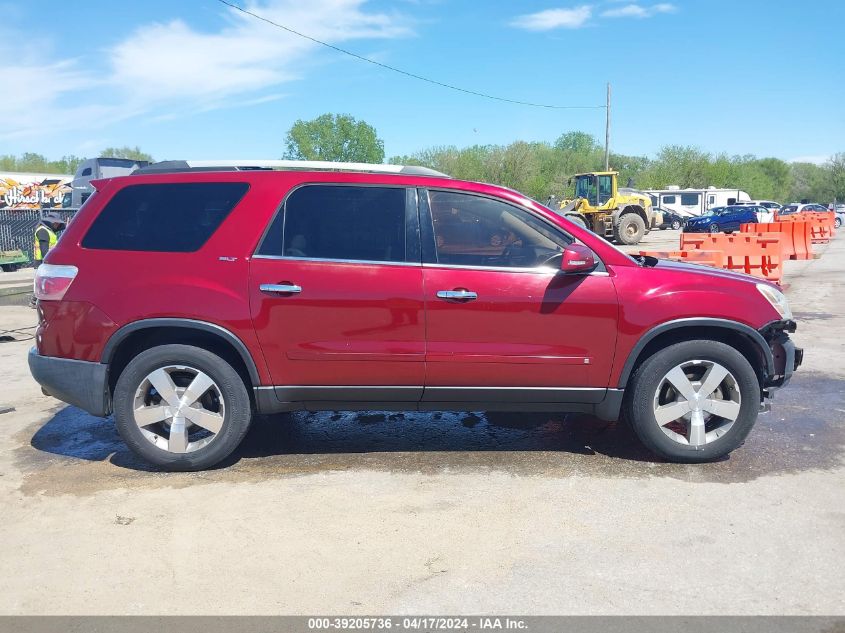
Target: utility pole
x=607, y=132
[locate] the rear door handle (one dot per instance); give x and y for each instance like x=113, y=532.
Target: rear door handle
x=457, y=295
x=280, y=288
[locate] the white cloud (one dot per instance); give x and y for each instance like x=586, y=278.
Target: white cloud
x=639, y=11
x=549, y=19
x=174, y=68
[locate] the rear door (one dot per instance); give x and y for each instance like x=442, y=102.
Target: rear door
x=336, y=295
x=503, y=324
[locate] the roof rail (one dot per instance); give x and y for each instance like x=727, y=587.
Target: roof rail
x=175, y=166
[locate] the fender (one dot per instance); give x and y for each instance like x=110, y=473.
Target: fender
x=191, y=324
x=726, y=324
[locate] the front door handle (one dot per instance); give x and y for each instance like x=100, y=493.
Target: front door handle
x=457, y=295
x=280, y=288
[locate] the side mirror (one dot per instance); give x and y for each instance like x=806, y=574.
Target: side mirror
x=577, y=259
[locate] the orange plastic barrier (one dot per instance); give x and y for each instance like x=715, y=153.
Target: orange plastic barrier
x=705, y=258
x=758, y=255
x=796, y=236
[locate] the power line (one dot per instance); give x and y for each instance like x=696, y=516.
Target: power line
x=407, y=73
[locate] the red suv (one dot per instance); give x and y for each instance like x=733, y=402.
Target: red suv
x=186, y=297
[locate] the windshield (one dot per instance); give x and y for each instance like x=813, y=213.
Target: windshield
x=585, y=187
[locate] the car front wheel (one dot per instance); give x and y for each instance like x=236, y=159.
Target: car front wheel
x=181, y=407
x=714, y=228
x=676, y=225
x=694, y=401
x=837, y=223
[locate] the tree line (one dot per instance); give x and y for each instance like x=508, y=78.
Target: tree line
x=537, y=169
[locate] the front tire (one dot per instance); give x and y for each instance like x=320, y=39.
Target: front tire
x=714, y=228
x=837, y=223
x=630, y=229
x=676, y=225
x=694, y=401
x=577, y=220
x=181, y=407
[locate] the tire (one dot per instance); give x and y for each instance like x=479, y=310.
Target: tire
x=676, y=225
x=837, y=223
x=714, y=228
x=630, y=229
x=651, y=393
x=577, y=220
x=223, y=407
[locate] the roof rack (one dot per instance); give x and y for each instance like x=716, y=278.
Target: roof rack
x=176, y=166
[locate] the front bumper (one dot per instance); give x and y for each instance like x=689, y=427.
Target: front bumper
x=81, y=383
x=787, y=358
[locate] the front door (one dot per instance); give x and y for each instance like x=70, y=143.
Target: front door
x=336, y=295
x=501, y=318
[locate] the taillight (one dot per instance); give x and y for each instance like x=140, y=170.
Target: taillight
x=52, y=281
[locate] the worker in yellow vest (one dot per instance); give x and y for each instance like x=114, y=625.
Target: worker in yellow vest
x=46, y=236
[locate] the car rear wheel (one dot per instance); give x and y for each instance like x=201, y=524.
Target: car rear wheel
x=676, y=225
x=694, y=401
x=181, y=407
x=837, y=222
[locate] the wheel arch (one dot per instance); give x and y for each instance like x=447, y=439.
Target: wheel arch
x=634, y=208
x=133, y=338
x=748, y=341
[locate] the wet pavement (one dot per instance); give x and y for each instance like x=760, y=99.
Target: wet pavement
x=75, y=453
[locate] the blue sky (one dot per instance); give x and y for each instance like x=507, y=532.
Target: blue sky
x=195, y=79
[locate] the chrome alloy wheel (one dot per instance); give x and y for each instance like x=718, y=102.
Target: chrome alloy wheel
x=697, y=402
x=179, y=409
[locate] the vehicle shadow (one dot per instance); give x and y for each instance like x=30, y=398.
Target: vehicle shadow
x=73, y=433
x=796, y=437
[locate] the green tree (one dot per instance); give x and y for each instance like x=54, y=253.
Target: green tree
x=334, y=137
x=133, y=153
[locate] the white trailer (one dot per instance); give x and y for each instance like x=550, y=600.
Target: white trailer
x=694, y=202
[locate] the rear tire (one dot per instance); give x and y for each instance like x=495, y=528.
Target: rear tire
x=630, y=229
x=676, y=225
x=156, y=426
x=837, y=223
x=697, y=434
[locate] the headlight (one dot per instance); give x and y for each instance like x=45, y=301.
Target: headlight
x=777, y=299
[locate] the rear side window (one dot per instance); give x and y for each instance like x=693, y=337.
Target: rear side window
x=172, y=218
x=339, y=222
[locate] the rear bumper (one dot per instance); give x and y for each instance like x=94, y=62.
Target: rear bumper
x=81, y=383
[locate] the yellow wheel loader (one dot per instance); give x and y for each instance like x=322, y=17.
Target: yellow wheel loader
x=623, y=216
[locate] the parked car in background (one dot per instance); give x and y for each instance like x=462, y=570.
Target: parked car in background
x=767, y=213
x=839, y=210
x=723, y=219
x=671, y=220
x=190, y=295
x=789, y=209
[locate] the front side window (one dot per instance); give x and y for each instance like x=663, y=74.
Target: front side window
x=333, y=222
x=585, y=187
x=472, y=230
x=174, y=217
x=689, y=199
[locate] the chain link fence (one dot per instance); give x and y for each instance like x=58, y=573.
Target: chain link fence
x=17, y=227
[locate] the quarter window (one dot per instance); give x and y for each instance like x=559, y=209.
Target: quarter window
x=473, y=230
x=174, y=218
x=340, y=223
